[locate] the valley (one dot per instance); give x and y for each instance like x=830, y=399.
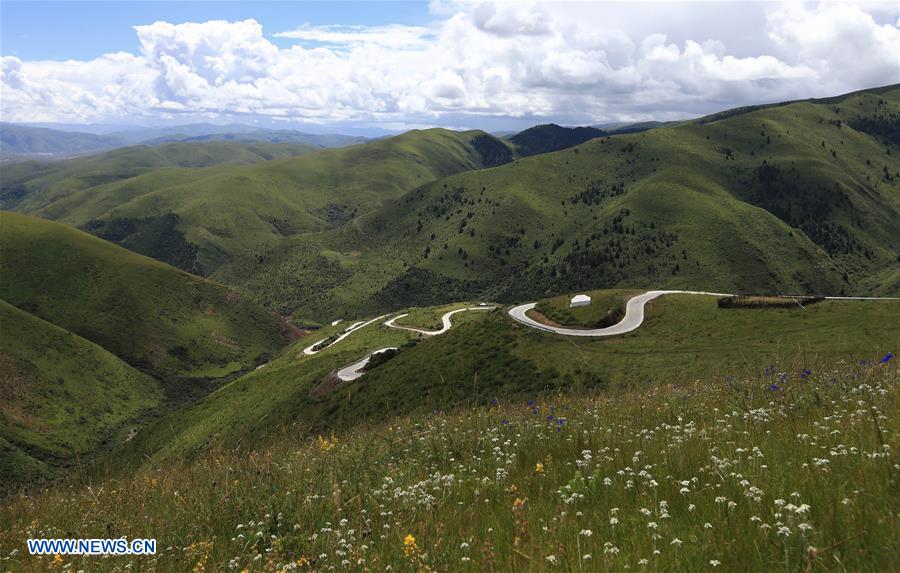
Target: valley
x=266, y=332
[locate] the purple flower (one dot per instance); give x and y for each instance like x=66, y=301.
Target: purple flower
x=531, y=403
x=504, y=421
x=561, y=421
x=773, y=387
x=494, y=402
x=551, y=417
x=806, y=373
x=534, y=411
x=886, y=358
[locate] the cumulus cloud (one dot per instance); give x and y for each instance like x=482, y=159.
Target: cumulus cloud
x=573, y=63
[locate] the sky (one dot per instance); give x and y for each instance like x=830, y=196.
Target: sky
x=389, y=66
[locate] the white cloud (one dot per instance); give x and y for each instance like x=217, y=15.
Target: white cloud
x=575, y=63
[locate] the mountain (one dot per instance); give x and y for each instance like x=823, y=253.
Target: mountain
x=265, y=136
x=61, y=397
x=801, y=197
x=551, y=137
x=203, y=220
x=37, y=141
x=183, y=330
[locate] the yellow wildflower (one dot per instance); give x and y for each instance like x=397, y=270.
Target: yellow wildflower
x=409, y=545
x=517, y=505
x=539, y=468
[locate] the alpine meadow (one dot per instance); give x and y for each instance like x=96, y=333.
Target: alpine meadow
x=449, y=287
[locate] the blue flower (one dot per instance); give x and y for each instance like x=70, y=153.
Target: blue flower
x=806, y=373
x=531, y=403
x=887, y=358
x=551, y=417
x=561, y=421
x=534, y=411
x=773, y=387
x=504, y=421
x=494, y=402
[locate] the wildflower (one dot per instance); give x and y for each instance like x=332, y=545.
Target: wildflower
x=784, y=531
x=613, y=520
x=806, y=373
x=586, y=533
x=551, y=559
x=643, y=561
x=714, y=562
x=773, y=387
x=409, y=545
x=518, y=503
x=531, y=403
x=539, y=468
x=676, y=542
x=886, y=358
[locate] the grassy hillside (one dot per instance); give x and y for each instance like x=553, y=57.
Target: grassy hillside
x=229, y=214
x=757, y=473
x=796, y=198
x=61, y=397
x=487, y=356
x=156, y=318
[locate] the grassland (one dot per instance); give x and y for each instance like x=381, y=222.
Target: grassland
x=766, y=471
x=61, y=398
x=607, y=307
x=159, y=319
x=487, y=356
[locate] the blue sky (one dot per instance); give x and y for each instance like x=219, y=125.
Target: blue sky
x=388, y=66
x=85, y=30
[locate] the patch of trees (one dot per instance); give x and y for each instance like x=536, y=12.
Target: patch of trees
x=596, y=191
x=885, y=128
x=803, y=206
x=493, y=152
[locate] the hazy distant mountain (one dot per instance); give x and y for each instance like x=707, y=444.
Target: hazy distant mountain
x=266, y=136
x=24, y=140
x=45, y=141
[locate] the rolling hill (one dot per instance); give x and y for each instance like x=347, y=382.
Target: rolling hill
x=24, y=140
x=186, y=331
x=800, y=197
x=223, y=215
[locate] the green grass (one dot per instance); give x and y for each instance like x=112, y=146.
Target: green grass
x=61, y=398
x=696, y=476
x=177, y=326
x=487, y=356
x=607, y=307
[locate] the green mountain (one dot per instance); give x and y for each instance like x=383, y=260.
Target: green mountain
x=61, y=397
x=801, y=197
x=205, y=219
x=184, y=330
x=551, y=137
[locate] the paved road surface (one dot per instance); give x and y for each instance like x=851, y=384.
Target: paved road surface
x=445, y=320
x=355, y=370
x=309, y=349
x=634, y=315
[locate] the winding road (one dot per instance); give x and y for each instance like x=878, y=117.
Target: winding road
x=445, y=321
x=355, y=370
x=634, y=315
x=310, y=350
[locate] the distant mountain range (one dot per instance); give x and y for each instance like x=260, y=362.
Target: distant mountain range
x=19, y=141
